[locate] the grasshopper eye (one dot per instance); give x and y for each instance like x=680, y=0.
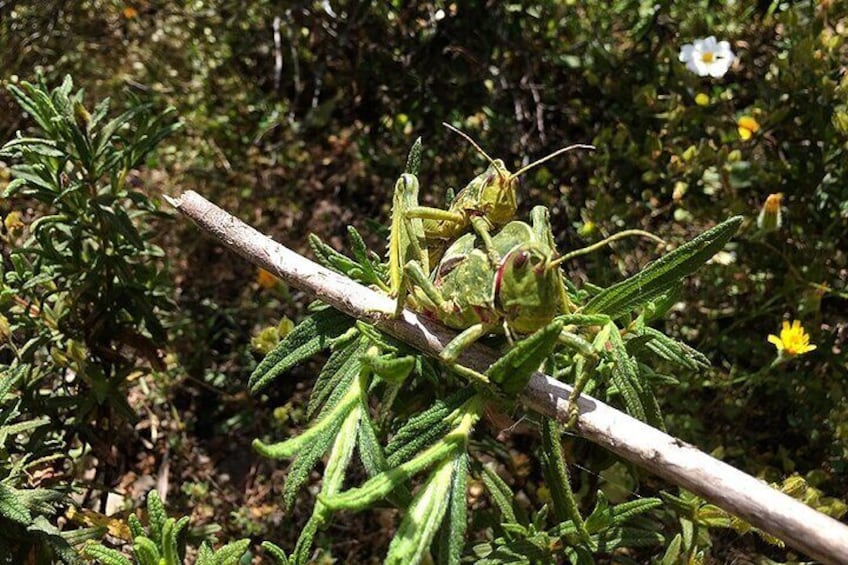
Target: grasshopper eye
x=520, y=260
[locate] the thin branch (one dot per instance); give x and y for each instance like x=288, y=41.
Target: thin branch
x=801, y=527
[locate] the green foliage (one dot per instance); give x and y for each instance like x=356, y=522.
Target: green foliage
x=663, y=274
x=85, y=285
x=163, y=543
x=436, y=439
x=24, y=508
x=82, y=288
x=313, y=146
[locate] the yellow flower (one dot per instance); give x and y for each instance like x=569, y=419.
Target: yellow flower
x=14, y=223
x=266, y=279
x=747, y=127
x=793, y=340
x=702, y=99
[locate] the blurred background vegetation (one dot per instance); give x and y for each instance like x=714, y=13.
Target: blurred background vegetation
x=297, y=117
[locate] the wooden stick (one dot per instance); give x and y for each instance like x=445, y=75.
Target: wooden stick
x=801, y=527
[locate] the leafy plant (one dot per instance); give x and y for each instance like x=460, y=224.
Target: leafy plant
x=83, y=286
x=82, y=290
x=26, y=509
x=596, y=353
x=163, y=543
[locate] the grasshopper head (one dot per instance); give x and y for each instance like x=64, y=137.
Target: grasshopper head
x=498, y=193
x=526, y=288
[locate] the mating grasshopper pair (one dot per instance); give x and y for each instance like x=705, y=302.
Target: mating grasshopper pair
x=509, y=282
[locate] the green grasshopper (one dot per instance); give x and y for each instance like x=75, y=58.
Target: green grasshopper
x=523, y=293
x=488, y=202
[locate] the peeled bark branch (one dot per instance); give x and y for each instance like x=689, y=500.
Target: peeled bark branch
x=801, y=527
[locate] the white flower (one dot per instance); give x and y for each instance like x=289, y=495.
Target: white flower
x=707, y=57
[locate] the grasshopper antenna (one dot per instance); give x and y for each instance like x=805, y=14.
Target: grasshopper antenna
x=467, y=138
x=604, y=242
x=526, y=168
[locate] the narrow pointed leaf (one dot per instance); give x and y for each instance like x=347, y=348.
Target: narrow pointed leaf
x=11, y=506
x=324, y=427
x=556, y=476
x=231, y=553
x=380, y=486
x=513, y=370
x=342, y=366
x=675, y=351
x=413, y=160
x=106, y=555
x=276, y=553
x=425, y=428
x=661, y=275
x=422, y=519
x=308, y=338
x=452, y=537
x=501, y=494
x=625, y=375
x=145, y=551
x=334, y=475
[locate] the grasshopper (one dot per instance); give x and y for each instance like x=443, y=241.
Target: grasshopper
x=521, y=294
x=486, y=203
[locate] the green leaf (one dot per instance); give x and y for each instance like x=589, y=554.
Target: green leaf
x=672, y=555
x=276, y=553
x=452, y=538
x=305, y=460
x=156, y=516
x=661, y=275
x=171, y=532
x=146, y=551
x=422, y=519
x=10, y=378
x=135, y=525
x=370, y=450
x=425, y=428
x=392, y=369
x=318, y=432
x=625, y=511
x=37, y=178
x=675, y=351
x=308, y=338
x=333, y=260
x=501, y=494
x=557, y=479
x=361, y=254
x=205, y=555
x=40, y=112
x=231, y=553
x=343, y=365
x=380, y=486
x=106, y=555
x=334, y=475
x=625, y=375
x=413, y=160
x=19, y=427
x=514, y=369
x=12, y=507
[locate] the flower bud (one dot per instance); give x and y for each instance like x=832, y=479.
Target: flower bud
x=769, y=219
